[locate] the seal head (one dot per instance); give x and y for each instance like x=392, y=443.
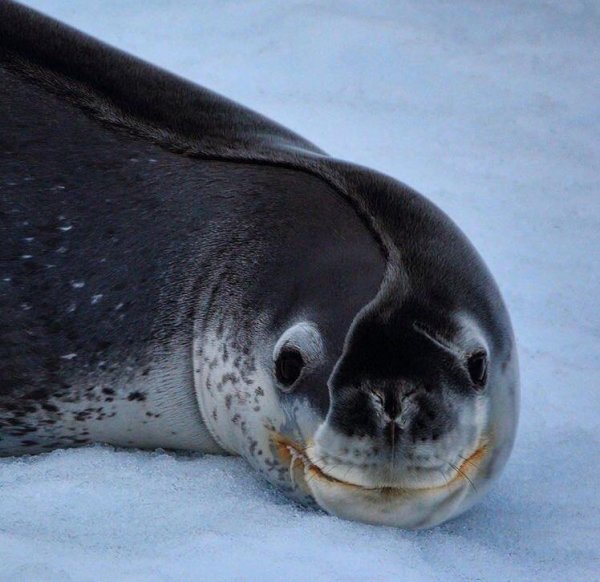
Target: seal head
x=407, y=412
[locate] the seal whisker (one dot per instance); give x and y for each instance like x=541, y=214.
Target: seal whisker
x=436, y=339
x=444, y=476
x=468, y=460
x=463, y=474
x=320, y=470
x=294, y=457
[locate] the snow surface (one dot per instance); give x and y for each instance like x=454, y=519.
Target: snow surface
x=492, y=109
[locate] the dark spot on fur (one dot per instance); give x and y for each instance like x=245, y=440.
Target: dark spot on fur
x=136, y=396
x=230, y=377
x=36, y=394
x=24, y=431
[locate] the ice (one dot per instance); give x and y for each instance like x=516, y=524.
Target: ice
x=492, y=109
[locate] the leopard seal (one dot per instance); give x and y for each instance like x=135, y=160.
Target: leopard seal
x=180, y=272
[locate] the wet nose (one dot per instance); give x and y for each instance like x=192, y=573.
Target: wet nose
x=399, y=411
x=391, y=402
x=382, y=413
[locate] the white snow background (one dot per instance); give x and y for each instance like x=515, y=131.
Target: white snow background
x=492, y=110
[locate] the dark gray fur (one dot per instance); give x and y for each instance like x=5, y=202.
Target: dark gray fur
x=112, y=234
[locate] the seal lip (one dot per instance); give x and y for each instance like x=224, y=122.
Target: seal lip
x=292, y=452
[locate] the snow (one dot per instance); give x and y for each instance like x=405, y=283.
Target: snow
x=492, y=110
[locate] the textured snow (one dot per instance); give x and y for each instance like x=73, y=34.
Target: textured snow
x=492, y=109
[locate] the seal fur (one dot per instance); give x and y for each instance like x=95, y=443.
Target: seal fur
x=148, y=219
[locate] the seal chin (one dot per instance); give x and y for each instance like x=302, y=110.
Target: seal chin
x=412, y=507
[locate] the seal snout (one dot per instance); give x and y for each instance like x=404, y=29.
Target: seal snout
x=396, y=419
x=413, y=507
x=394, y=411
x=397, y=435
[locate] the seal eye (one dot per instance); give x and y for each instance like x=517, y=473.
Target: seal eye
x=477, y=365
x=288, y=366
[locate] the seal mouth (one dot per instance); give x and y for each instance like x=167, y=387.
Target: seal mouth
x=294, y=455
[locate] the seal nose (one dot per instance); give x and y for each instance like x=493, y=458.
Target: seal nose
x=392, y=407
x=397, y=413
x=392, y=403
x=385, y=413
x=391, y=432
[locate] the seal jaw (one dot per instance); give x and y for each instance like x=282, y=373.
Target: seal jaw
x=406, y=507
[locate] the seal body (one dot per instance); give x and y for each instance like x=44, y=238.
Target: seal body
x=180, y=272
x=110, y=244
